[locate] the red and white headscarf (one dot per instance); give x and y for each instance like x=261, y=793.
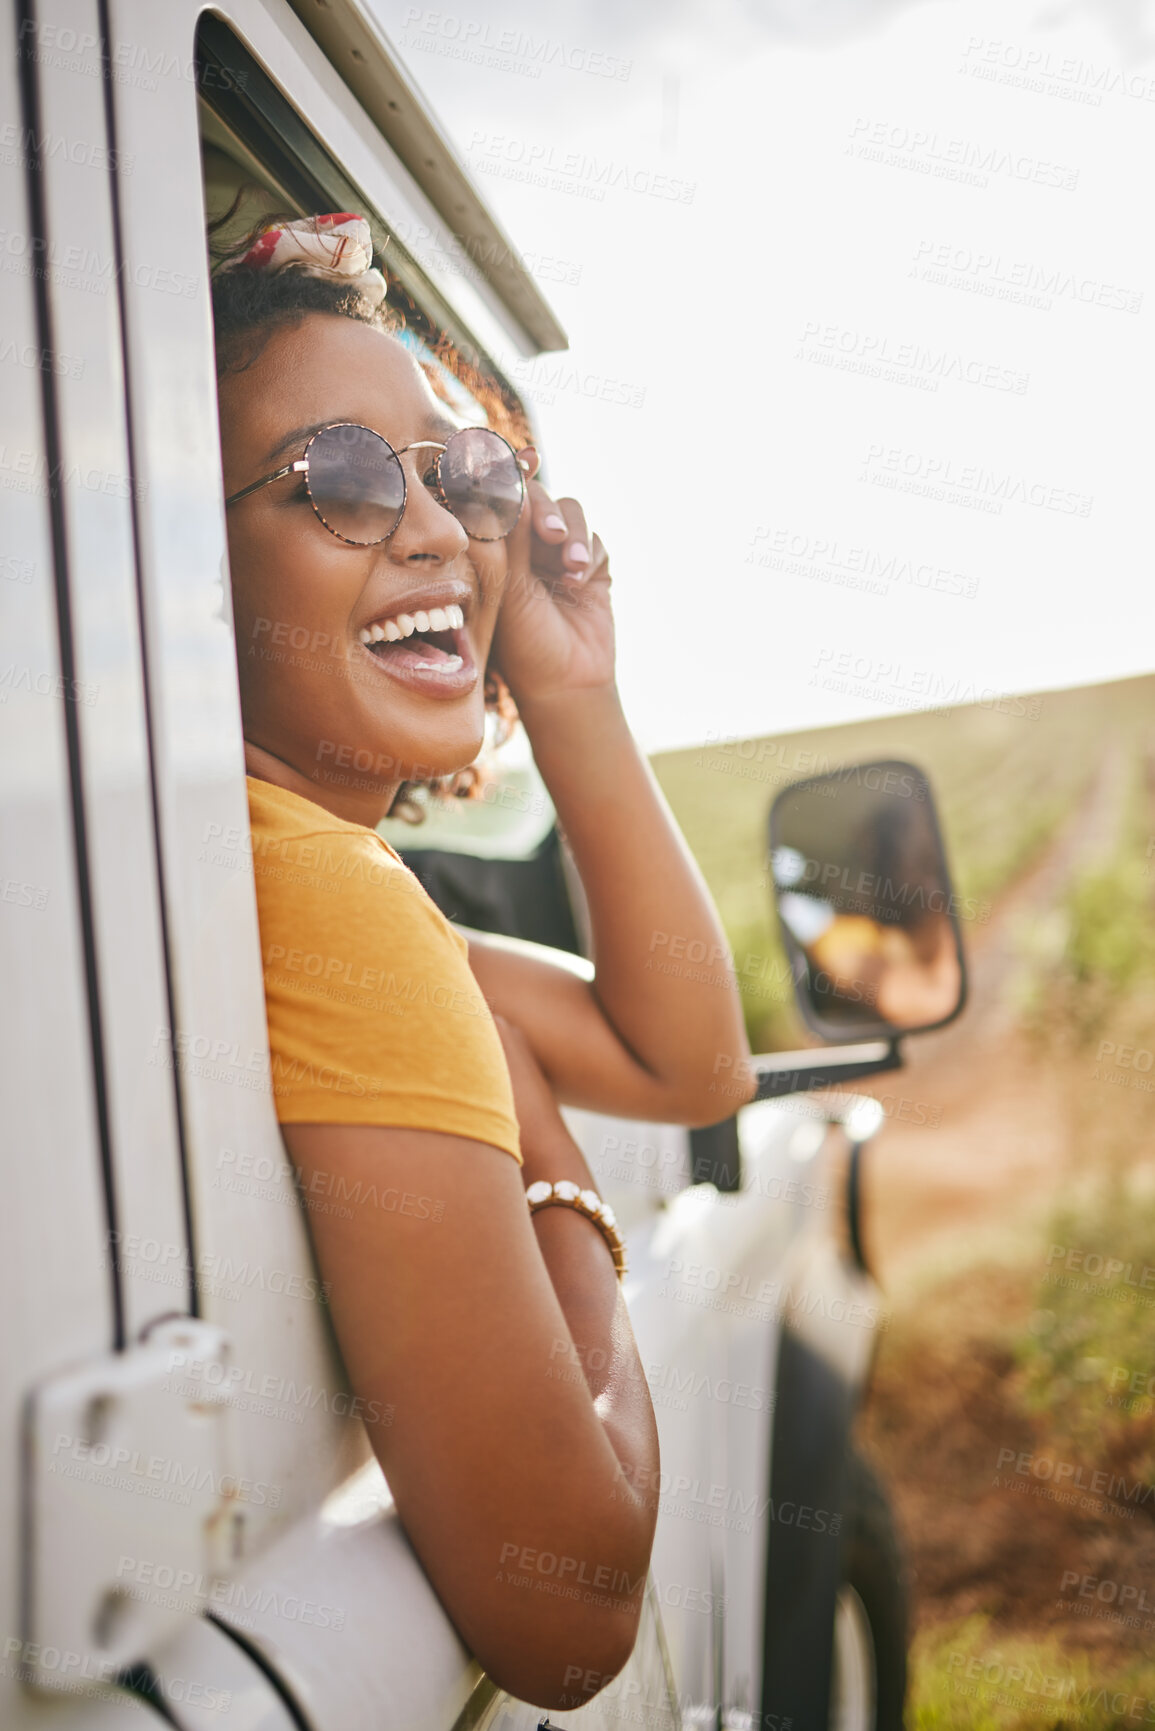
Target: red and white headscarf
x=338, y=245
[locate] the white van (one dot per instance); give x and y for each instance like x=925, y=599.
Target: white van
x=197, y=1532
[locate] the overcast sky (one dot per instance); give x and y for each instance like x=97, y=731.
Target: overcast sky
x=860, y=307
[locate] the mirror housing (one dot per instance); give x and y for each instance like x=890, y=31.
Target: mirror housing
x=867, y=912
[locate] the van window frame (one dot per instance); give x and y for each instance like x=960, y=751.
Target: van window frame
x=233, y=85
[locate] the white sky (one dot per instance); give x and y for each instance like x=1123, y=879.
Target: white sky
x=820, y=198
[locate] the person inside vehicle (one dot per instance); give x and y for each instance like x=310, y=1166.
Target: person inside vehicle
x=398, y=572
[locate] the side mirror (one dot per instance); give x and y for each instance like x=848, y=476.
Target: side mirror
x=865, y=903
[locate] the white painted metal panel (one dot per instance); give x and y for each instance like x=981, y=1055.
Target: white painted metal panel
x=208, y=1683
x=644, y=1171
x=96, y=487
x=778, y=1243
x=55, y=1287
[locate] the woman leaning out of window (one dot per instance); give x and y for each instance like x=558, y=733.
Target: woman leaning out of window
x=407, y=544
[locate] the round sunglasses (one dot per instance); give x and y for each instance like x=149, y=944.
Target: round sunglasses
x=356, y=484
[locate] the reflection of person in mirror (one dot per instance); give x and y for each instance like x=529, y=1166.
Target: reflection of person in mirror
x=907, y=974
x=883, y=947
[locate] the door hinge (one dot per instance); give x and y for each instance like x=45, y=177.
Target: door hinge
x=132, y=1513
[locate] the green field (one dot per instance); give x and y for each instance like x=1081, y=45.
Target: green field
x=1004, y=776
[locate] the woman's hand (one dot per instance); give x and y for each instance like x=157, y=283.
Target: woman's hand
x=555, y=632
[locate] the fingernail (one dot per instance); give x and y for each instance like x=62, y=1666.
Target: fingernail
x=527, y=458
x=579, y=552
x=554, y=522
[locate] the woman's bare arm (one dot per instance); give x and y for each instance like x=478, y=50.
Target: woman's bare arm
x=658, y=1032
x=489, y=1338
x=582, y=1271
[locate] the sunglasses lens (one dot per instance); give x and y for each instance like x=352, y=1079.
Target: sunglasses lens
x=356, y=483
x=482, y=483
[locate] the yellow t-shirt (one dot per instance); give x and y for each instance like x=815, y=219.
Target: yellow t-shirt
x=374, y=1015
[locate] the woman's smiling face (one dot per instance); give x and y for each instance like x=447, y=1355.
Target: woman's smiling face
x=353, y=721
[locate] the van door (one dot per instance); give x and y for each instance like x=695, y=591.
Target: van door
x=58, y=1289
x=93, y=1188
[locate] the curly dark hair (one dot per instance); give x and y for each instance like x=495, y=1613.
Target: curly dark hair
x=249, y=305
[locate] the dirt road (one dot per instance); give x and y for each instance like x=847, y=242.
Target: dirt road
x=977, y=1134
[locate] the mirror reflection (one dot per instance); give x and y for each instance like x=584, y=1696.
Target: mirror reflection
x=865, y=902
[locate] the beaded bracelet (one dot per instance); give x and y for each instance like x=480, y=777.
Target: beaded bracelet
x=587, y=1202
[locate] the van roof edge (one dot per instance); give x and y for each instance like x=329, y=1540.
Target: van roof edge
x=357, y=47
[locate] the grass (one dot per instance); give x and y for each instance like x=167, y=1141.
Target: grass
x=1000, y=1369
x=1086, y=1360
x=1090, y=967
x=967, y=1677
